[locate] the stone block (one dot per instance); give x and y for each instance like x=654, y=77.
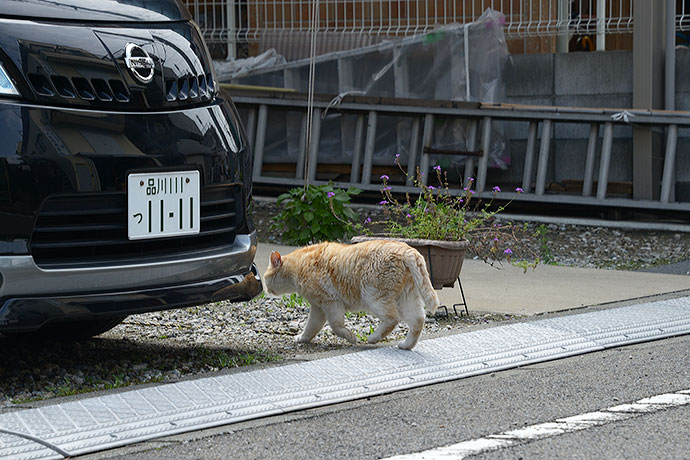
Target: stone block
x=529, y=75
x=593, y=73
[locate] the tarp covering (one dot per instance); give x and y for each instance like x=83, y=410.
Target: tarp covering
x=460, y=62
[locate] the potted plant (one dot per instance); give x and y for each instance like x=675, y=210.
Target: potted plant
x=443, y=226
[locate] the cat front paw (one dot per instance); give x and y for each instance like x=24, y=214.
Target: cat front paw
x=349, y=336
x=301, y=339
x=407, y=344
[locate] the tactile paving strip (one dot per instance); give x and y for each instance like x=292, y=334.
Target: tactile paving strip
x=103, y=422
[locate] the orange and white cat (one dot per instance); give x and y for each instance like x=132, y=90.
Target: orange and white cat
x=386, y=278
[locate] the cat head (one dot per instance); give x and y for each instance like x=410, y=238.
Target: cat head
x=275, y=280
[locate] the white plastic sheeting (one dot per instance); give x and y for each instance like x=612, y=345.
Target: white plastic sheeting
x=454, y=62
x=237, y=68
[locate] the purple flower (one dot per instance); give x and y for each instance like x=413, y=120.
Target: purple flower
x=330, y=194
x=384, y=177
x=471, y=179
x=382, y=202
x=508, y=251
x=408, y=215
x=397, y=155
x=437, y=167
x=431, y=187
x=368, y=220
x=471, y=192
x=495, y=240
x=519, y=190
x=496, y=188
x=385, y=189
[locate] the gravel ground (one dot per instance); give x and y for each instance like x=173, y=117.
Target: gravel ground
x=169, y=345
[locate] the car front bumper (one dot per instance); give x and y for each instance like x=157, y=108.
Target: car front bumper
x=86, y=293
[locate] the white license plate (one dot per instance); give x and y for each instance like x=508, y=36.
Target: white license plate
x=162, y=204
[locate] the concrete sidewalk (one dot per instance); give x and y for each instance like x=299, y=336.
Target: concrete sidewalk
x=547, y=289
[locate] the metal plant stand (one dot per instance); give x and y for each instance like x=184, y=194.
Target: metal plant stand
x=455, y=305
x=462, y=292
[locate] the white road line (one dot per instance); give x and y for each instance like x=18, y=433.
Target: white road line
x=546, y=430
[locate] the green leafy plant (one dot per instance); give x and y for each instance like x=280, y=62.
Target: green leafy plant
x=293, y=301
x=315, y=213
x=358, y=315
x=542, y=236
x=363, y=336
x=437, y=213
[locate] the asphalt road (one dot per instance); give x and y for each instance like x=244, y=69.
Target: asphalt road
x=438, y=415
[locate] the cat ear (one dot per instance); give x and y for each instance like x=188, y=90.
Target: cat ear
x=276, y=261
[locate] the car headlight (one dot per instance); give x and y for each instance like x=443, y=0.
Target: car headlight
x=6, y=86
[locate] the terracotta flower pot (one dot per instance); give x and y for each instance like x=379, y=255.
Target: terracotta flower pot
x=443, y=258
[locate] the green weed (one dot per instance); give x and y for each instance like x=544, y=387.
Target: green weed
x=293, y=301
x=315, y=213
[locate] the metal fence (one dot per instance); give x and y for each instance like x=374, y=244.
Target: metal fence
x=589, y=176
x=244, y=21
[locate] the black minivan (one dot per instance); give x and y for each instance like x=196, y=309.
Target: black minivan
x=125, y=175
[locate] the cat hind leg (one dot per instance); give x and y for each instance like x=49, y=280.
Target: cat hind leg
x=414, y=318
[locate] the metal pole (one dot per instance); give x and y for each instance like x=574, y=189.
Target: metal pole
x=357, y=151
x=473, y=127
x=427, y=137
x=414, y=151
x=369, y=145
x=588, y=181
x=670, y=67
x=484, y=159
x=260, y=140
x=648, y=93
x=232, y=42
x=669, y=164
x=302, y=147
x=543, y=157
x=314, y=147
x=605, y=161
x=601, y=25
x=529, y=156
x=563, y=19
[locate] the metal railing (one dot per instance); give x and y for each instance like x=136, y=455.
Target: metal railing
x=246, y=20
x=534, y=177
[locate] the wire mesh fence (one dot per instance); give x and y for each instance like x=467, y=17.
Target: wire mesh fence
x=400, y=17
x=245, y=21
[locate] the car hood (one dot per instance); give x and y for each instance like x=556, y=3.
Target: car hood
x=95, y=10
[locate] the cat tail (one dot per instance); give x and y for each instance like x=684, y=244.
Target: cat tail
x=420, y=276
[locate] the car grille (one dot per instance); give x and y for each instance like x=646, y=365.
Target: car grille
x=182, y=89
x=193, y=89
x=74, y=230
x=112, y=90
